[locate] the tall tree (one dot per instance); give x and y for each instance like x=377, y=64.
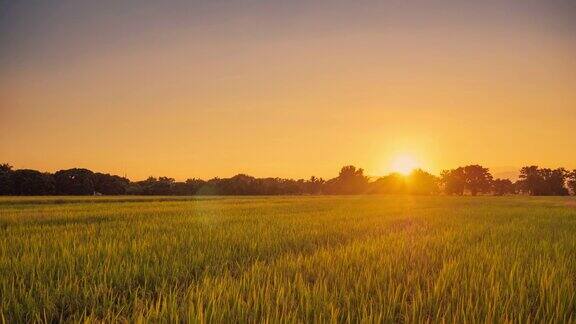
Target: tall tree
x=110, y=184
x=421, y=182
x=351, y=180
x=543, y=182
x=314, y=186
x=530, y=181
x=555, y=181
x=453, y=181
x=502, y=187
x=32, y=183
x=571, y=181
x=6, y=179
x=74, y=182
x=393, y=183
x=478, y=179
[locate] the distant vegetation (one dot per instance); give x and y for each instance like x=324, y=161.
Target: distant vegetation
x=468, y=180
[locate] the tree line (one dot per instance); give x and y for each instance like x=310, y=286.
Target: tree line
x=467, y=180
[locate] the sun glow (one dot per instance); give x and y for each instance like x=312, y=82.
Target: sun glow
x=404, y=164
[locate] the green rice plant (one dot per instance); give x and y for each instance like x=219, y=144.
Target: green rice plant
x=288, y=259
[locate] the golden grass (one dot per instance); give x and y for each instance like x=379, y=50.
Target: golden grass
x=288, y=259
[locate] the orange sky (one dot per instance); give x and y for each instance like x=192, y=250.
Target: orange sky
x=291, y=89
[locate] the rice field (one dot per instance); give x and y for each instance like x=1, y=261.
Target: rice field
x=288, y=259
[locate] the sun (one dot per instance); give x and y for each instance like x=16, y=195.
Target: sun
x=404, y=164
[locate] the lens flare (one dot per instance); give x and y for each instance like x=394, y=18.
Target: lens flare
x=404, y=164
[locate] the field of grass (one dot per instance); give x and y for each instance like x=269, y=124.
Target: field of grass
x=293, y=259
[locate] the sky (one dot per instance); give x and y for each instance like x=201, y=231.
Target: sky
x=286, y=88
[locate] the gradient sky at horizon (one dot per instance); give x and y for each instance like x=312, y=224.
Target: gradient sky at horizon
x=286, y=88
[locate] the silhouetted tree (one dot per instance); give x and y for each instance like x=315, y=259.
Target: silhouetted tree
x=189, y=187
x=453, y=181
x=350, y=181
x=153, y=186
x=530, y=181
x=107, y=184
x=543, y=182
x=418, y=182
x=314, y=186
x=279, y=186
x=74, y=182
x=571, y=181
x=164, y=185
x=393, y=183
x=6, y=184
x=210, y=187
x=478, y=179
x=502, y=187
x=472, y=178
x=555, y=181
x=239, y=184
x=421, y=182
x=5, y=167
x=27, y=182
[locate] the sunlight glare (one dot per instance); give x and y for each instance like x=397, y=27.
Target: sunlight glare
x=404, y=164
